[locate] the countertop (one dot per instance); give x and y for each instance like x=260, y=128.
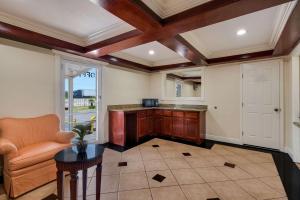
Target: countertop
x=158, y=108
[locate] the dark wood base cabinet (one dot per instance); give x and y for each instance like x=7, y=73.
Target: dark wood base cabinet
x=128, y=128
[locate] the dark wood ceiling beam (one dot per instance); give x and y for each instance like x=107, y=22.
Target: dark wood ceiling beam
x=241, y=57
x=113, y=40
x=125, y=63
x=206, y=14
x=23, y=35
x=173, y=66
x=185, y=49
x=131, y=13
x=290, y=35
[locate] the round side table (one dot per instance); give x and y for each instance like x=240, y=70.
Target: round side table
x=70, y=160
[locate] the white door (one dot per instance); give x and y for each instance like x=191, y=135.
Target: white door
x=260, y=107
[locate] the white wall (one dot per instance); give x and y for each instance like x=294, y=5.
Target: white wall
x=122, y=87
x=26, y=80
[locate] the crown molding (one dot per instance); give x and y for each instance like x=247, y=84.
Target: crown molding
x=168, y=8
x=39, y=28
x=170, y=61
x=282, y=18
x=107, y=32
x=251, y=49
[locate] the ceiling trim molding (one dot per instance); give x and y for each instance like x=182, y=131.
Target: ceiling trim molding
x=126, y=56
x=39, y=28
x=108, y=32
x=281, y=21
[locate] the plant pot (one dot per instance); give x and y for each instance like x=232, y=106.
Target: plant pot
x=81, y=146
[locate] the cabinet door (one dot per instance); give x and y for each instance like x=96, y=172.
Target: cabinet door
x=150, y=125
x=167, y=125
x=157, y=125
x=143, y=126
x=191, y=128
x=178, y=126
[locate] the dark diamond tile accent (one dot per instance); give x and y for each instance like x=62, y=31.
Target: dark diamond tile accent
x=158, y=178
x=229, y=165
x=50, y=197
x=213, y=199
x=122, y=164
x=155, y=145
x=187, y=154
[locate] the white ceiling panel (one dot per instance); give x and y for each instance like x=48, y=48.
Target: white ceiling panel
x=162, y=55
x=80, y=18
x=263, y=29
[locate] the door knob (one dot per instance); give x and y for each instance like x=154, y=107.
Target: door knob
x=277, y=109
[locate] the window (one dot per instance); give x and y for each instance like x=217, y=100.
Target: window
x=178, y=88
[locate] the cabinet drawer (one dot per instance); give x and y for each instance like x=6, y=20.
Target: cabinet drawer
x=178, y=113
x=167, y=113
x=142, y=113
x=158, y=112
x=192, y=115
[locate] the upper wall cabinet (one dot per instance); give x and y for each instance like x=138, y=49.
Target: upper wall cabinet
x=185, y=84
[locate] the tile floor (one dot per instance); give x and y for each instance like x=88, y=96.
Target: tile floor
x=199, y=176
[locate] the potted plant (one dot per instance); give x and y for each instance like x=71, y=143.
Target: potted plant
x=82, y=130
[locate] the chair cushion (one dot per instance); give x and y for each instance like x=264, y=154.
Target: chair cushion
x=34, y=154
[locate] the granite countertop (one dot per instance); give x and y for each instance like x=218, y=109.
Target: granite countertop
x=129, y=108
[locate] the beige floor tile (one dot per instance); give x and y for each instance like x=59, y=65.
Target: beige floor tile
x=187, y=176
x=222, y=152
x=177, y=163
x=67, y=186
x=170, y=154
x=143, y=194
x=211, y=174
x=133, y=181
x=152, y=165
x=195, y=162
x=271, y=167
x=110, y=168
x=257, y=170
x=91, y=172
x=151, y=155
x=167, y=193
x=165, y=147
x=131, y=155
x=283, y=198
x=168, y=181
x=111, y=156
x=216, y=160
x=237, y=159
x=275, y=183
x=107, y=196
x=229, y=190
x=260, y=157
x=258, y=189
x=132, y=167
x=234, y=173
x=108, y=184
x=198, y=192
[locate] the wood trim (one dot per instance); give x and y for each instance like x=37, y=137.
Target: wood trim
x=125, y=63
x=241, y=57
x=131, y=13
x=171, y=75
x=113, y=40
x=185, y=49
x=173, y=66
x=29, y=37
x=290, y=36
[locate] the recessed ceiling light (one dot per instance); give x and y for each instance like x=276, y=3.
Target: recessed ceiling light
x=241, y=32
x=151, y=52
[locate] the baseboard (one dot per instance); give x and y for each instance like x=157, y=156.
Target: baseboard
x=223, y=139
x=289, y=151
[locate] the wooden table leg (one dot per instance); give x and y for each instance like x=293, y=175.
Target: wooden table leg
x=73, y=185
x=84, y=183
x=98, y=180
x=60, y=184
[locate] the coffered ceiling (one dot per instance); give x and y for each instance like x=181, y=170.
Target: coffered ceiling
x=181, y=33
x=76, y=21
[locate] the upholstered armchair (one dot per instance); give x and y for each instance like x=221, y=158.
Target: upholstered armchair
x=28, y=147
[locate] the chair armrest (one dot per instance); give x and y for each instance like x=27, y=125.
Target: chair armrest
x=64, y=137
x=7, y=147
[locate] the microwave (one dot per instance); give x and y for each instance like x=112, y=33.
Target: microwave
x=150, y=103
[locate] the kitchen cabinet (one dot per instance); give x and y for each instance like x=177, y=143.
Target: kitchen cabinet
x=181, y=124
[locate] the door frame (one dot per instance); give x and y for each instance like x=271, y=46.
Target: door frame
x=59, y=82
x=281, y=102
